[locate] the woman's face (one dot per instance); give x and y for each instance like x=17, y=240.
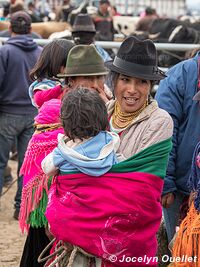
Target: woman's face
x=131, y=93
x=93, y=82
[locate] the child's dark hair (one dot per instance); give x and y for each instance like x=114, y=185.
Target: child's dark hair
x=52, y=58
x=83, y=113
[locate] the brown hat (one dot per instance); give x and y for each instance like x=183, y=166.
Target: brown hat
x=20, y=22
x=83, y=23
x=84, y=60
x=138, y=59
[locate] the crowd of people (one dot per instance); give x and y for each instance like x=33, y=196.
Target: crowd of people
x=100, y=161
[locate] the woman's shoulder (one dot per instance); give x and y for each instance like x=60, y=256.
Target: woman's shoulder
x=157, y=111
x=160, y=120
x=161, y=113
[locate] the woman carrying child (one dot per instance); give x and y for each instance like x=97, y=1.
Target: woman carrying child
x=119, y=213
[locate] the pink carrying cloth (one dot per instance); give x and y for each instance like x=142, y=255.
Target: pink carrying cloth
x=115, y=214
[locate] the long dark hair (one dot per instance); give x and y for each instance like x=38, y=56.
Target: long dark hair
x=52, y=58
x=83, y=113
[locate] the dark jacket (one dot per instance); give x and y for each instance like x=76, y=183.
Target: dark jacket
x=175, y=95
x=17, y=57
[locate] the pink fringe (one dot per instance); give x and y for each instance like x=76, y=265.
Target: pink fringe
x=38, y=148
x=30, y=202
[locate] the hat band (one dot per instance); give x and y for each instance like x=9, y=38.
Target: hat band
x=122, y=64
x=86, y=69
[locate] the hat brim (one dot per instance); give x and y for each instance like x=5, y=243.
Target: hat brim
x=61, y=75
x=133, y=72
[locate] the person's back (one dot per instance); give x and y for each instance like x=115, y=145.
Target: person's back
x=17, y=57
x=175, y=95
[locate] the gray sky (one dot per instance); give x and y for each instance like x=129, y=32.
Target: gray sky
x=193, y=2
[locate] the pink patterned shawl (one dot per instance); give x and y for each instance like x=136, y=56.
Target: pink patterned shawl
x=40, y=145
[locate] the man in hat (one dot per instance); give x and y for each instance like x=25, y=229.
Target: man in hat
x=17, y=57
x=103, y=22
x=83, y=32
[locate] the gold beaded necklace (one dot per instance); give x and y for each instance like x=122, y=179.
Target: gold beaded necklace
x=123, y=119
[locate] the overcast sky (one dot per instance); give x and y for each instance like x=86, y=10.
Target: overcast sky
x=193, y=2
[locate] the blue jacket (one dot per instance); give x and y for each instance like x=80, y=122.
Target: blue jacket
x=87, y=157
x=175, y=95
x=17, y=57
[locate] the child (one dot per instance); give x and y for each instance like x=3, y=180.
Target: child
x=50, y=63
x=86, y=145
x=35, y=183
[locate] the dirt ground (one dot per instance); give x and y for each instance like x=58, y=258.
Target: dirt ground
x=11, y=239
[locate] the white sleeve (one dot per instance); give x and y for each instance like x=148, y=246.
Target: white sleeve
x=48, y=166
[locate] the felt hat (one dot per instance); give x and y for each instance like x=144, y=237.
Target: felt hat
x=137, y=59
x=84, y=60
x=83, y=23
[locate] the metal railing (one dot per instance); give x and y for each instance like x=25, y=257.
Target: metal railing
x=116, y=45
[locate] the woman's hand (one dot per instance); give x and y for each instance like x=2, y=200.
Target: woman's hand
x=105, y=93
x=167, y=200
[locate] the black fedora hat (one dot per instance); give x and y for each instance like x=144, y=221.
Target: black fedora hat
x=138, y=59
x=83, y=23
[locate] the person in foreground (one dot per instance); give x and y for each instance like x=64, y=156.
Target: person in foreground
x=184, y=245
x=119, y=213
x=175, y=95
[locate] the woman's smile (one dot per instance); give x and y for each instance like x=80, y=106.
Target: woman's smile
x=130, y=100
x=131, y=93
